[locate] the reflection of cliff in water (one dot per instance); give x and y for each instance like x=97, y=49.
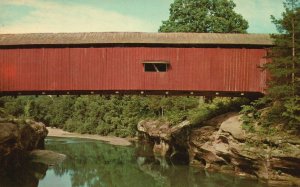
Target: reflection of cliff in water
x=93, y=163
x=181, y=175
x=26, y=176
x=173, y=173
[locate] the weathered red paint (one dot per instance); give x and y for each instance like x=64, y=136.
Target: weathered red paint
x=121, y=69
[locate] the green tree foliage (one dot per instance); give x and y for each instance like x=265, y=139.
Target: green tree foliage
x=284, y=67
x=206, y=111
x=283, y=94
x=13, y=106
x=208, y=16
x=284, y=88
x=114, y=115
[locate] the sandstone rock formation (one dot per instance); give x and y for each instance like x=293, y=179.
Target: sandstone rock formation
x=17, y=139
x=169, y=141
x=222, y=144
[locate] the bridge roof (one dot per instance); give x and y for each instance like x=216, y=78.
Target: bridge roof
x=134, y=38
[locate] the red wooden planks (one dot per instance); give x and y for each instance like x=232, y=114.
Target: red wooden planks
x=121, y=68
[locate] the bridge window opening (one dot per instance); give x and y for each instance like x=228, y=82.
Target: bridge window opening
x=150, y=66
x=155, y=67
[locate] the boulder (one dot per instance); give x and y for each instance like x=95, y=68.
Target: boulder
x=8, y=132
x=168, y=140
x=10, y=146
x=17, y=139
x=47, y=157
x=233, y=125
x=161, y=130
x=33, y=135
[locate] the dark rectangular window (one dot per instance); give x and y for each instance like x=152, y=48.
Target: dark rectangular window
x=156, y=66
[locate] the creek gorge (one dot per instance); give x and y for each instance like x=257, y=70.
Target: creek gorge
x=218, y=145
x=221, y=144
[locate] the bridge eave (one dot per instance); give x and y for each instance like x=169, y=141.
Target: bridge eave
x=136, y=92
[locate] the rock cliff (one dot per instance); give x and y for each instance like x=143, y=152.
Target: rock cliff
x=221, y=144
x=17, y=139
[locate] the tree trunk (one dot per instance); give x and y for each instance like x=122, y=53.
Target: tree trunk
x=293, y=55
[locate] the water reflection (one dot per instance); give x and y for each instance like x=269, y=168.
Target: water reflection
x=94, y=164
x=165, y=173
x=26, y=176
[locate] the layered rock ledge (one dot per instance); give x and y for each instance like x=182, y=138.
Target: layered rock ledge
x=18, y=139
x=221, y=144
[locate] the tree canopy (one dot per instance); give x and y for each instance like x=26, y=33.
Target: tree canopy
x=284, y=88
x=283, y=93
x=209, y=16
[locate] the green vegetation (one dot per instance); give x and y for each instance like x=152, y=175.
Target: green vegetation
x=115, y=115
x=281, y=105
x=215, y=16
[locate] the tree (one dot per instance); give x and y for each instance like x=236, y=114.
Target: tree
x=284, y=87
x=208, y=16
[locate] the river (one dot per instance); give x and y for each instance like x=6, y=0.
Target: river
x=92, y=163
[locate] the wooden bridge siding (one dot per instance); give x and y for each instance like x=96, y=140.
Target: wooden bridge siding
x=120, y=68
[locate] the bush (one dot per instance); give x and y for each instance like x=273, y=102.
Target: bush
x=103, y=129
x=15, y=106
x=72, y=125
x=217, y=107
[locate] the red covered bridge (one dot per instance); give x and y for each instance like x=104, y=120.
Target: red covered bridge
x=133, y=63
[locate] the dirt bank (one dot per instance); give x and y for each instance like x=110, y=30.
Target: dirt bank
x=54, y=132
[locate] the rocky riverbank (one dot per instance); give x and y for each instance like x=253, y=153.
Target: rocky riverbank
x=221, y=144
x=18, y=139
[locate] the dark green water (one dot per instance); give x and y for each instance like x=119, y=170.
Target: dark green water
x=92, y=163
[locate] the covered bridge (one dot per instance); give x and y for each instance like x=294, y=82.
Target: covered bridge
x=133, y=63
